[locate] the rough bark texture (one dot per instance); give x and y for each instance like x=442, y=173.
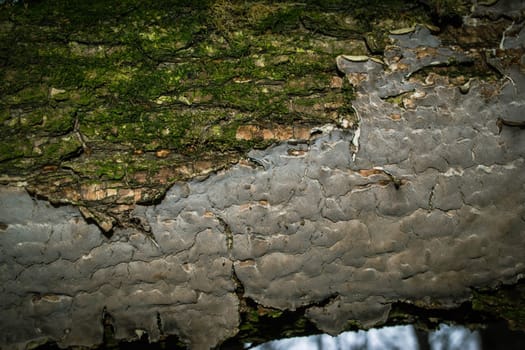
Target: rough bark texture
x=419, y=200
x=105, y=105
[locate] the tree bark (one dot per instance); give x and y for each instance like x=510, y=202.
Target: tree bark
x=201, y=171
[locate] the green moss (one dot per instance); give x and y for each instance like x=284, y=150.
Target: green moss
x=58, y=121
x=60, y=149
x=508, y=303
x=260, y=324
x=28, y=95
x=110, y=170
x=177, y=75
x=13, y=148
x=398, y=99
x=449, y=9
x=280, y=21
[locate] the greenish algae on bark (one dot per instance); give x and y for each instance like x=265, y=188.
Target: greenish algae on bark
x=134, y=95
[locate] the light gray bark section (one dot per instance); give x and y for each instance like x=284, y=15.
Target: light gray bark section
x=58, y=274
x=417, y=208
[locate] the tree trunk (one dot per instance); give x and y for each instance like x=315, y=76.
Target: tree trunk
x=190, y=174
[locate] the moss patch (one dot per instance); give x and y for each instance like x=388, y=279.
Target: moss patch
x=508, y=303
x=109, y=92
